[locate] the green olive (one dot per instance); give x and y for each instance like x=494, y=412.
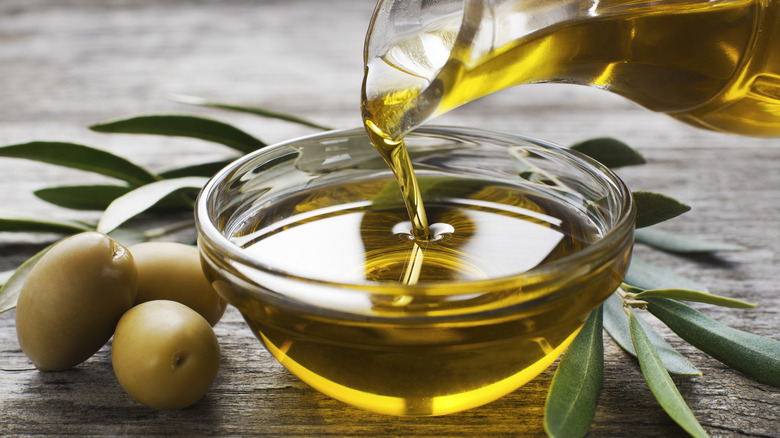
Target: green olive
x=172, y=271
x=165, y=355
x=72, y=299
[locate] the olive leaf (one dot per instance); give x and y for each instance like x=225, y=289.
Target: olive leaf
x=183, y=126
x=141, y=199
x=192, y=100
x=9, y=293
x=692, y=295
x=616, y=325
x=681, y=243
x=99, y=197
x=644, y=275
x=83, y=197
x=748, y=353
x=652, y=208
x=660, y=383
x=5, y=275
x=11, y=220
x=576, y=385
x=610, y=152
x=203, y=169
x=77, y=156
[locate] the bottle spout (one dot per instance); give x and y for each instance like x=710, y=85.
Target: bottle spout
x=407, y=45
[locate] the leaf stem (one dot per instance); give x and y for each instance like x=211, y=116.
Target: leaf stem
x=629, y=300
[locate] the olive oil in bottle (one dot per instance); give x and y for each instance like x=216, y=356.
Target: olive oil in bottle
x=713, y=64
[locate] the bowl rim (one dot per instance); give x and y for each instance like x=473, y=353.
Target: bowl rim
x=208, y=234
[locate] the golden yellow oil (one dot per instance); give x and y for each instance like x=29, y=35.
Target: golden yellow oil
x=397, y=158
x=711, y=64
x=467, y=332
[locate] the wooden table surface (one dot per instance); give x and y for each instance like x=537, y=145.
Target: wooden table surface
x=66, y=64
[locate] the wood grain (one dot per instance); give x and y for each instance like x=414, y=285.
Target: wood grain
x=67, y=64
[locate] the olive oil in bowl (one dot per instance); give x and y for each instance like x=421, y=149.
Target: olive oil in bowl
x=312, y=242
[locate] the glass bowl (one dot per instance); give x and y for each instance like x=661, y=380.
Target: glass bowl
x=308, y=239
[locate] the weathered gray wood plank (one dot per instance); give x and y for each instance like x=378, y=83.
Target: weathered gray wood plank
x=70, y=63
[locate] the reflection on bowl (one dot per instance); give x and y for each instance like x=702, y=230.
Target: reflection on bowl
x=309, y=239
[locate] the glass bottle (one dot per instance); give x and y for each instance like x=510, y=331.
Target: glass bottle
x=710, y=63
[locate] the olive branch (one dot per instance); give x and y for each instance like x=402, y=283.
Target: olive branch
x=576, y=386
